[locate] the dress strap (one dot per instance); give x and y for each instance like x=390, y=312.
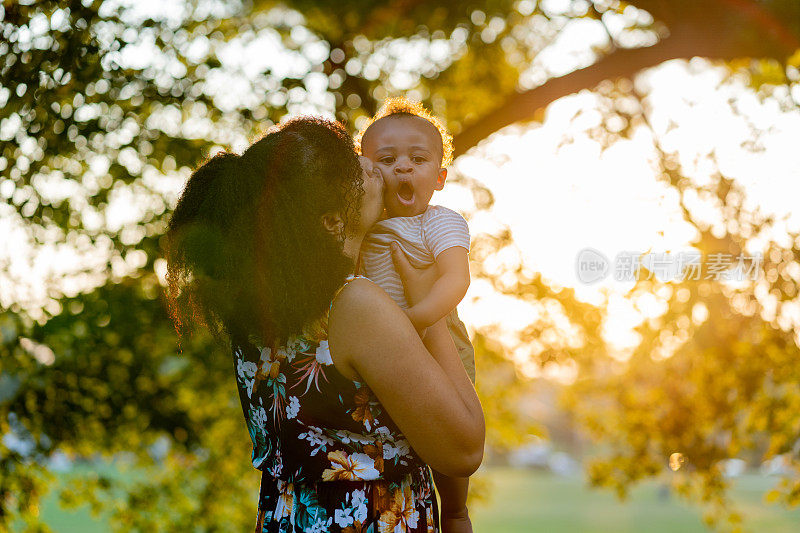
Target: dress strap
x=317, y=329
x=347, y=280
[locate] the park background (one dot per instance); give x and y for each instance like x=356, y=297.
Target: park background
x=651, y=126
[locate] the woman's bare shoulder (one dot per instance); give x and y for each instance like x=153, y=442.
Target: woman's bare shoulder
x=362, y=315
x=360, y=298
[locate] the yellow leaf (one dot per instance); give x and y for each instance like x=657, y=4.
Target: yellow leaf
x=794, y=60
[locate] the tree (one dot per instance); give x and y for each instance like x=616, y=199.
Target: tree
x=712, y=377
x=103, y=104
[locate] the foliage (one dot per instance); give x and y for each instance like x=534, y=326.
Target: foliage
x=98, y=121
x=711, y=378
x=117, y=386
x=104, y=110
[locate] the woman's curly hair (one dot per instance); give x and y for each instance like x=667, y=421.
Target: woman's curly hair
x=247, y=253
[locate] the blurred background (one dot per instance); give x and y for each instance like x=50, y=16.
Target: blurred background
x=586, y=132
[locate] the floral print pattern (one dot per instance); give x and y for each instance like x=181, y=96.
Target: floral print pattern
x=331, y=458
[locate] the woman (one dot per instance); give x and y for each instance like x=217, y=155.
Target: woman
x=346, y=406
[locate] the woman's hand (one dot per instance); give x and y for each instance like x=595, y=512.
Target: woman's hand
x=417, y=282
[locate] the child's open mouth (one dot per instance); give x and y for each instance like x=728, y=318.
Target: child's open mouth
x=405, y=193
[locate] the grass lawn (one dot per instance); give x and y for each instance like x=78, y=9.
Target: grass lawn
x=529, y=501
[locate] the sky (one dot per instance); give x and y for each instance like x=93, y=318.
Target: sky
x=556, y=198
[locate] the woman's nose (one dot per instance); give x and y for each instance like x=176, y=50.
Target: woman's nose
x=366, y=163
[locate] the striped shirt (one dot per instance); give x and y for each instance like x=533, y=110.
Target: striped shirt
x=422, y=237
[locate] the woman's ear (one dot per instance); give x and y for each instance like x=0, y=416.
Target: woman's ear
x=333, y=223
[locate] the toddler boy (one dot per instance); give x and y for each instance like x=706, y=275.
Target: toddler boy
x=412, y=149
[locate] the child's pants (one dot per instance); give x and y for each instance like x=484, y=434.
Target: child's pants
x=461, y=339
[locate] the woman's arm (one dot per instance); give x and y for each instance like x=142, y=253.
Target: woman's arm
x=440, y=415
x=448, y=290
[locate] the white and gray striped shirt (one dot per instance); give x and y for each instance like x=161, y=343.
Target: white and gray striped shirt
x=422, y=237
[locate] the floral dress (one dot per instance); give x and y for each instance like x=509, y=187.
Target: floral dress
x=331, y=458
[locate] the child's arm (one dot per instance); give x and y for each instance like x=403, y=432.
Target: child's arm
x=448, y=290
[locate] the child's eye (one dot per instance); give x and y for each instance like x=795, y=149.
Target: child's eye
x=419, y=159
x=386, y=160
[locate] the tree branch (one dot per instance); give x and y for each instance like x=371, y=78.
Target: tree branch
x=770, y=25
x=712, y=39
x=624, y=62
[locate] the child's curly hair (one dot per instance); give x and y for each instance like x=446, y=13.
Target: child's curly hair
x=403, y=106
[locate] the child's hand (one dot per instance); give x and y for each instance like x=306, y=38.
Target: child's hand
x=456, y=521
x=417, y=282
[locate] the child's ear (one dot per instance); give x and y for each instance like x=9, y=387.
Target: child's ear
x=441, y=178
